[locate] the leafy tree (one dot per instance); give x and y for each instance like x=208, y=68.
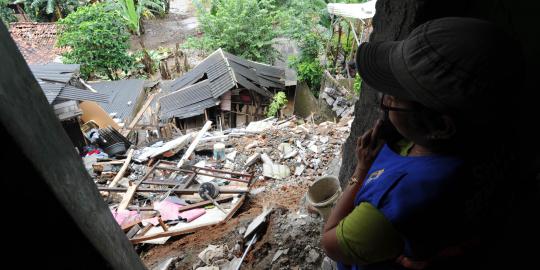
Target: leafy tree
x=241, y=27
x=133, y=11
x=6, y=13
x=307, y=65
x=307, y=21
x=49, y=10
x=278, y=101
x=98, y=40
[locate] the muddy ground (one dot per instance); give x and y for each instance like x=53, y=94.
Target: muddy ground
x=173, y=28
x=292, y=230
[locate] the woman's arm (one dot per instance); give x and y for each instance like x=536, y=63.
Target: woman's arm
x=368, y=146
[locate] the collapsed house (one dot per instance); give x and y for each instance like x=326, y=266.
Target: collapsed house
x=223, y=88
x=125, y=97
x=64, y=91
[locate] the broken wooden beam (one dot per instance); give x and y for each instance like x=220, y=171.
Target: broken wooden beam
x=339, y=87
x=126, y=131
x=127, y=197
x=123, y=169
x=191, y=148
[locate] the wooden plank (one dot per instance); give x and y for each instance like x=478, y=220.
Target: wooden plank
x=92, y=111
x=123, y=169
x=127, y=197
x=191, y=148
x=112, y=162
x=131, y=125
x=142, y=238
x=133, y=231
x=145, y=229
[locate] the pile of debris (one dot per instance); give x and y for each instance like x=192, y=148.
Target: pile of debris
x=201, y=179
x=342, y=106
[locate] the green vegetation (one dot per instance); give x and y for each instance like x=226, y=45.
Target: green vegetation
x=98, y=40
x=307, y=22
x=278, y=101
x=156, y=56
x=49, y=10
x=6, y=13
x=307, y=65
x=133, y=11
x=241, y=27
x=357, y=84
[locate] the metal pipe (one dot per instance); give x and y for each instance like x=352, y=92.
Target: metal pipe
x=212, y=170
x=222, y=171
x=246, y=251
x=177, y=190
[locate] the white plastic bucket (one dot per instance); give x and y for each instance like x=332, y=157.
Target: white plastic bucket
x=323, y=194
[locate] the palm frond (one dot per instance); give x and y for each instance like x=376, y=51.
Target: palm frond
x=50, y=6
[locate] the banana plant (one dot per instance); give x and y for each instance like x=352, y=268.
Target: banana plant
x=133, y=11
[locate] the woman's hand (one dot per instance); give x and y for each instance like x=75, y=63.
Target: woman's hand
x=367, y=148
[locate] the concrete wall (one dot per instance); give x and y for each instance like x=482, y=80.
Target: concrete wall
x=305, y=104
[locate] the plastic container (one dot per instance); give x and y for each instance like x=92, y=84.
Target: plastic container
x=219, y=151
x=323, y=194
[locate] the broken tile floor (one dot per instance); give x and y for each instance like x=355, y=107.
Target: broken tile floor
x=282, y=158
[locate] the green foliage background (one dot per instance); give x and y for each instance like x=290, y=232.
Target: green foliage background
x=241, y=27
x=98, y=40
x=6, y=13
x=49, y=10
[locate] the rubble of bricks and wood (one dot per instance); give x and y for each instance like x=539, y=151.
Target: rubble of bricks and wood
x=258, y=217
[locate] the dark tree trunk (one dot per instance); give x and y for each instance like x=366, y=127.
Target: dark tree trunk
x=393, y=21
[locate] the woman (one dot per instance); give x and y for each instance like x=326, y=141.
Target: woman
x=404, y=206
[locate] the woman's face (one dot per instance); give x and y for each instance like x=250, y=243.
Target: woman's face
x=400, y=113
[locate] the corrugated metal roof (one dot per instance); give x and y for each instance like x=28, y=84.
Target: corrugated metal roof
x=260, y=68
x=61, y=73
x=221, y=85
x=192, y=109
x=73, y=93
x=194, y=75
x=53, y=78
x=220, y=72
x=122, y=97
x=186, y=96
x=51, y=90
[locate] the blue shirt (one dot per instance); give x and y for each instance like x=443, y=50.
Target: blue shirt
x=415, y=193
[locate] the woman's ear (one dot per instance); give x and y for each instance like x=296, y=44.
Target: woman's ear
x=445, y=131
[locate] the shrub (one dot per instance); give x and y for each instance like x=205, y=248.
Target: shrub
x=278, y=101
x=241, y=27
x=98, y=40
